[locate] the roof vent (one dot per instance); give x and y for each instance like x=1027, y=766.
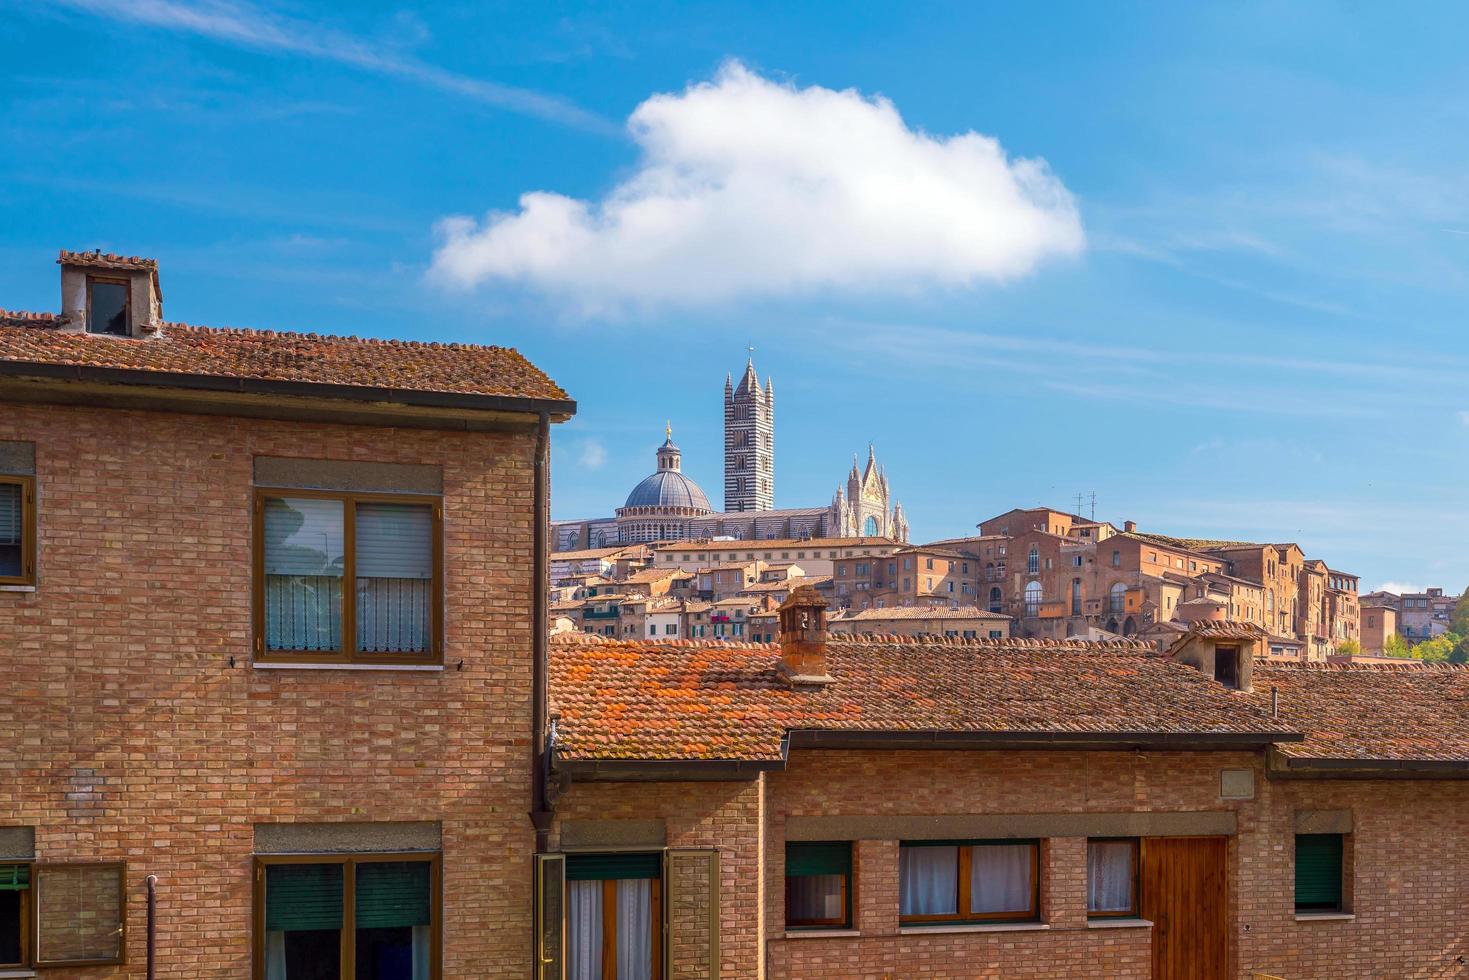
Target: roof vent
x=110, y=295
x=803, y=637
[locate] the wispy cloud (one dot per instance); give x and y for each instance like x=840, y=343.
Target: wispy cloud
x=593, y=455
x=243, y=25
x=1398, y=587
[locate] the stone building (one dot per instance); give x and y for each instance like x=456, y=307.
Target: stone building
x=1420, y=615
x=838, y=807
x=273, y=645
x=749, y=442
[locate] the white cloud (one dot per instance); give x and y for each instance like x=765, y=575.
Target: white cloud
x=1464, y=418
x=747, y=187
x=593, y=454
x=241, y=24
x=1398, y=588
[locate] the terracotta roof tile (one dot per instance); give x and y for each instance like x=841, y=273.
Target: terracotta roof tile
x=690, y=700
x=1412, y=712
x=269, y=355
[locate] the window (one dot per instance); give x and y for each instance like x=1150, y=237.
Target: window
x=967, y=881
x=1117, y=598
x=17, y=530
x=1033, y=594
x=109, y=306
x=929, y=564
x=1076, y=561
x=1319, y=872
x=1116, y=559
x=1111, y=876
x=303, y=929
x=1033, y=562
x=995, y=634
x=351, y=578
x=996, y=600
x=819, y=884
x=1226, y=666
x=613, y=923
x=61, y=914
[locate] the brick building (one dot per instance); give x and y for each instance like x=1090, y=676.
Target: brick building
x=191, y=693
x=830, y=807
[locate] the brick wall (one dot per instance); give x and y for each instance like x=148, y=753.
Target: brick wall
x=1409, y=863
x=130, y=736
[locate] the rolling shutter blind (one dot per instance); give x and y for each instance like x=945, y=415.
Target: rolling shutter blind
x=392, y=894
x=607, y=867
x=12, y=497
x=14, y=877
x=804, y=859
x=394, y=541
x=304, y=536
x=1318, y=871
x=303, y=897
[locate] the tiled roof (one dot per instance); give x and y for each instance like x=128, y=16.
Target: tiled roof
x=920, y=612
x=1411, y=712
x=590, y=553
x=279, y=356
x=106, y=260
x=688, y=700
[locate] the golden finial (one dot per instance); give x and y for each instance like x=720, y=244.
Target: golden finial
x=668, y=428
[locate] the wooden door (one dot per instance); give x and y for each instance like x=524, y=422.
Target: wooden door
x=1185, y=894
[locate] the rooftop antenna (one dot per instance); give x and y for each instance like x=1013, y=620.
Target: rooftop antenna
x=1094, y=506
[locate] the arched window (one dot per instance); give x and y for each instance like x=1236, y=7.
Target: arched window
x=1129, y=627
x=1117, y=598
x=599, y=539
x=869, y=527
x=1033, y=563
x=1033, y=593
x=996, y=600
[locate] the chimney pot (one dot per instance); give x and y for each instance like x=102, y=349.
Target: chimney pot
x=803, y=637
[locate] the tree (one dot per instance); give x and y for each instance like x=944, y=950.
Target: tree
x=1348, y=648
x=1436, y=649
x=1459, y=618
x=1396, y=646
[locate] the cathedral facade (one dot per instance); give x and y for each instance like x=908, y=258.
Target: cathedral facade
x=667, y=505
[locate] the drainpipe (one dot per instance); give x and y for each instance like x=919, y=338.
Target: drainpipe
x=152, y=881
x=540, y=808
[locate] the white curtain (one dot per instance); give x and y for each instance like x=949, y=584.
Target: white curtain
x=635, y=929
x=928, y=880
x=999, y=878
x=1109, y=875
x=422, y=937
x=584, y=932
x=275, y=955
x=304, y=560
x=815, y=897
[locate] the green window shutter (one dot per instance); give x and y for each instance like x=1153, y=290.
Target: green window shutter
x=606, y=867
x=830, y=858
x=303, y=897
x=391, y=894
x=1318, y=871
x=15, y=877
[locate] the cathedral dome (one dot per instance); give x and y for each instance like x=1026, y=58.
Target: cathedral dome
x=668, y=488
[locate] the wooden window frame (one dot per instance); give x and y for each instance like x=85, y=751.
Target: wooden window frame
x=348, y=654
x=27, y=486
x=127, y=305
x=349, y=862
x=27, y=918
x=1137, y=863
x=842, y=922
x=38, y=871
x=962, y=914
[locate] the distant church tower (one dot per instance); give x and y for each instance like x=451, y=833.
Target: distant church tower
x=749, y=443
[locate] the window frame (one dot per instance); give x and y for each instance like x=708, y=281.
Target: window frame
x=845, y=921
x=349, y=655
x=27, y=484
x=38, y=870
x=609, y=910
x=962, y=914
x=27, y=917
x=127, y=305
x=1135, y=911
x=349, y=862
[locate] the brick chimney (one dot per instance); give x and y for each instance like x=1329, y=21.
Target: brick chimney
x=1129, y=526
x=110, y=295
x=803, y=637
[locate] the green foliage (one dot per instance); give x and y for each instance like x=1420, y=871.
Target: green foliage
x=1436, y=649
x=1348, y=648
x=1396, y=646
x=1459, y=618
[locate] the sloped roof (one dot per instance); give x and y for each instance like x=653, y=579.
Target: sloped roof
x=690, y=700
x=1357, y=713
x=180, y=350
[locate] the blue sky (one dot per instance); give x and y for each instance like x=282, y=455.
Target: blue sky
x=1231, y=302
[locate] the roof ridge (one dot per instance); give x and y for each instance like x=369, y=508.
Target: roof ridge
x=1408, y=665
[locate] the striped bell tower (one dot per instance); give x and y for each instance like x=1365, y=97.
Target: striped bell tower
x=749, y=442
